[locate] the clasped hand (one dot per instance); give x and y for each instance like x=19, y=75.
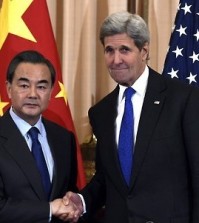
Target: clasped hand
x=69, y=208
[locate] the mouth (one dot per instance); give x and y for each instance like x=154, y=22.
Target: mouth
x=118, y=71
x=118, y=68
x=31, y=105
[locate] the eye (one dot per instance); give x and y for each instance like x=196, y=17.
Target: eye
x=109, y=50
x=24, y=86
x=124, y=49
x=41, y=87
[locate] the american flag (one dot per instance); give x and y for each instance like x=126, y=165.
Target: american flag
x=182, y=59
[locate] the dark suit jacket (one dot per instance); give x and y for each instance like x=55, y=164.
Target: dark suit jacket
x=22, y=198
x=165, y=180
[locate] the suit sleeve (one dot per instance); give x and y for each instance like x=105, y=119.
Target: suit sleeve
x=191, y=136
x=94, y=192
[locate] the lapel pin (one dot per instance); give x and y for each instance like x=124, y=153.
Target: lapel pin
x=156, y=102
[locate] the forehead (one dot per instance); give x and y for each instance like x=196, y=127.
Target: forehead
x=118, y=40
x=33, y=71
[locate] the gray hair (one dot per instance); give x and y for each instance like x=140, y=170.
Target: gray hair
x=124, y=22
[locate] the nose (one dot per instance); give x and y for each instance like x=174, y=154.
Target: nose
x=33, y=91
x=117, y=57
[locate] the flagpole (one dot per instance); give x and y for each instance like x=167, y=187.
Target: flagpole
x=141, y=8
x=131, y=6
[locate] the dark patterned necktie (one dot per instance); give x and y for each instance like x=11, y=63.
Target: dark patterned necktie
x=126, y=137
x=40, y=160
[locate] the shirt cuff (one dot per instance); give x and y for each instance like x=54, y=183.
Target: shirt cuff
x=83, y=204
x=50, y=214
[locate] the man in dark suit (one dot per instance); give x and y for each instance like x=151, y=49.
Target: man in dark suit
x=30, y=80
x=164, y=181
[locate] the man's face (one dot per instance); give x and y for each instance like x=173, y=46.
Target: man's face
x=124, y=60
x=30, y=91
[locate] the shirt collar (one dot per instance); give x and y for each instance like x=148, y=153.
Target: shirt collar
x=139, y=86
x=23, y=126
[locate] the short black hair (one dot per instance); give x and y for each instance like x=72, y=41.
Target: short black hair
x=29, y=56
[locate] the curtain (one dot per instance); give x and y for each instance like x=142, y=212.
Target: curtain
x=76, y=26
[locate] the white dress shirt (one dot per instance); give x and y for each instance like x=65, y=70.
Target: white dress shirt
x=24, y=127
x=140, y=87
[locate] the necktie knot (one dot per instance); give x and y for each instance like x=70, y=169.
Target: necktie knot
x=129, y=93
x=33, y=132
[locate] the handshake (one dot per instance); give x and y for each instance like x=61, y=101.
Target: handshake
x=69, y=208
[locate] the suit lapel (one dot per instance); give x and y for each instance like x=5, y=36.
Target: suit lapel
x=57, y=175
x=114, y=169
x=110, y=152
x=62, y=157
x=17, y=147
x=152, y=106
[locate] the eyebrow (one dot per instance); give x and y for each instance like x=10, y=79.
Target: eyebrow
x=27, y=80
x=119, y=47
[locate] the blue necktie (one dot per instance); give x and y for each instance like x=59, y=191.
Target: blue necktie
x=40, y=160
x=126, y=137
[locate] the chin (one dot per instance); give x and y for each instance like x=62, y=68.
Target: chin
x=122, y=82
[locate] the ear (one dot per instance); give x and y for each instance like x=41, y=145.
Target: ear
x=50, y=93
x=145, y=52
x=8, y=88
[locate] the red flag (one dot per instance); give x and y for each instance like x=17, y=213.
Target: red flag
x=26, y=25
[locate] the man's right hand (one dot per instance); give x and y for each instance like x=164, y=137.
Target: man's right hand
x=66, y=211
x=74, y=198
